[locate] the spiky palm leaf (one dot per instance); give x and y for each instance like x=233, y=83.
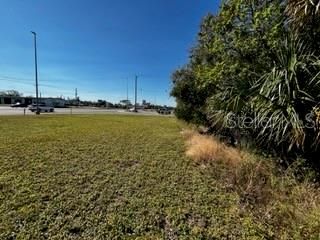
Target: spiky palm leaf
x=301, y=12
x=230, y=100
x=286, y=95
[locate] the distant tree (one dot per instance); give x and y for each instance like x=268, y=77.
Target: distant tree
x=102, y=103
x=11, y=93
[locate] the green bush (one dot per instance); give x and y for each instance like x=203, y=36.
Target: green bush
x=252, y=63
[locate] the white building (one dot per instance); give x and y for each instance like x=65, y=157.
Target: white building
x=54, y=102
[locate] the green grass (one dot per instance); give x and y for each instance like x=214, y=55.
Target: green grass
x=111, y=177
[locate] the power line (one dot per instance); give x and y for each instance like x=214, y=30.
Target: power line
x=15, y=80
x=58, y=89
x=31, y=80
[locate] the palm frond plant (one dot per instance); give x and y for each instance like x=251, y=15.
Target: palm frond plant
x=227, y=107
x=286, y=95
x=302, y=11
x=304, y=19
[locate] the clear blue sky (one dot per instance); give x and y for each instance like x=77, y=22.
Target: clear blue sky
x=96, y=46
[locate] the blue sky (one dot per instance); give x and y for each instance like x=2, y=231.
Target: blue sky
x=98, y=46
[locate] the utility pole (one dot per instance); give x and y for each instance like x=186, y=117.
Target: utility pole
x=36, y=69
x=76, y=96
x=135, y=93
x=127, y=95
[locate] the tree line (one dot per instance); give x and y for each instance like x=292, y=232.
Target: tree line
x=254, y=74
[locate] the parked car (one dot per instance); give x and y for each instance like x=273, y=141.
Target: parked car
x=164, y=111
x=133, y=110
x=18, y=104
x=42, y=108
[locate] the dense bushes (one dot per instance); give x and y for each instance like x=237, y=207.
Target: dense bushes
x=255, y=73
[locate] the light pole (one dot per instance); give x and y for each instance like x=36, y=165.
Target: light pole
x=127, y=96
x=135, y=93
x=36, y=69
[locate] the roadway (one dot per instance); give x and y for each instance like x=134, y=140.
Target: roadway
x=6, y=110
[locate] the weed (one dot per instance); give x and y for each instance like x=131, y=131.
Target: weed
x=284, y=205
x=127, y=177
x=205, y=148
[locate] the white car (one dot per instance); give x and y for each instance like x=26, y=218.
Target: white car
x=42, y=108
x=133, y=110
x=164, y=111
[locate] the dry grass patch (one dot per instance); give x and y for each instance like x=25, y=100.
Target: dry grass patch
x=285, y=207
x=204, y=149
x=251, y=179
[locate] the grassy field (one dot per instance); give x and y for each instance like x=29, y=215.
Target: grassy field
x=112, y=177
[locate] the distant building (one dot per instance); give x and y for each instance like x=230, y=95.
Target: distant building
x=55, y=102
x=125, y=102
x=72, y=102
x=14, y=99
x=145, y=104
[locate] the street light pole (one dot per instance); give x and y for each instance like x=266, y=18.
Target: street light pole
x=36, y=69
x=127, y=96
x=135, y=93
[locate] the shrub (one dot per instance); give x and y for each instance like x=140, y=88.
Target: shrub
x=205, y=148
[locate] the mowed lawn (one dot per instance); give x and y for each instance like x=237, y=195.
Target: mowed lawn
x=108, y=177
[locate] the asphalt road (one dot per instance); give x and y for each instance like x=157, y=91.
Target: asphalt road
x=5, y=110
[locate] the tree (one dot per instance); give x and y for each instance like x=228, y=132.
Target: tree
x=190, y=100
x=304, y=19
x=302, y=12
x=233, y=49
x=286, y=97
x=11, y=93
x=246, y=64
